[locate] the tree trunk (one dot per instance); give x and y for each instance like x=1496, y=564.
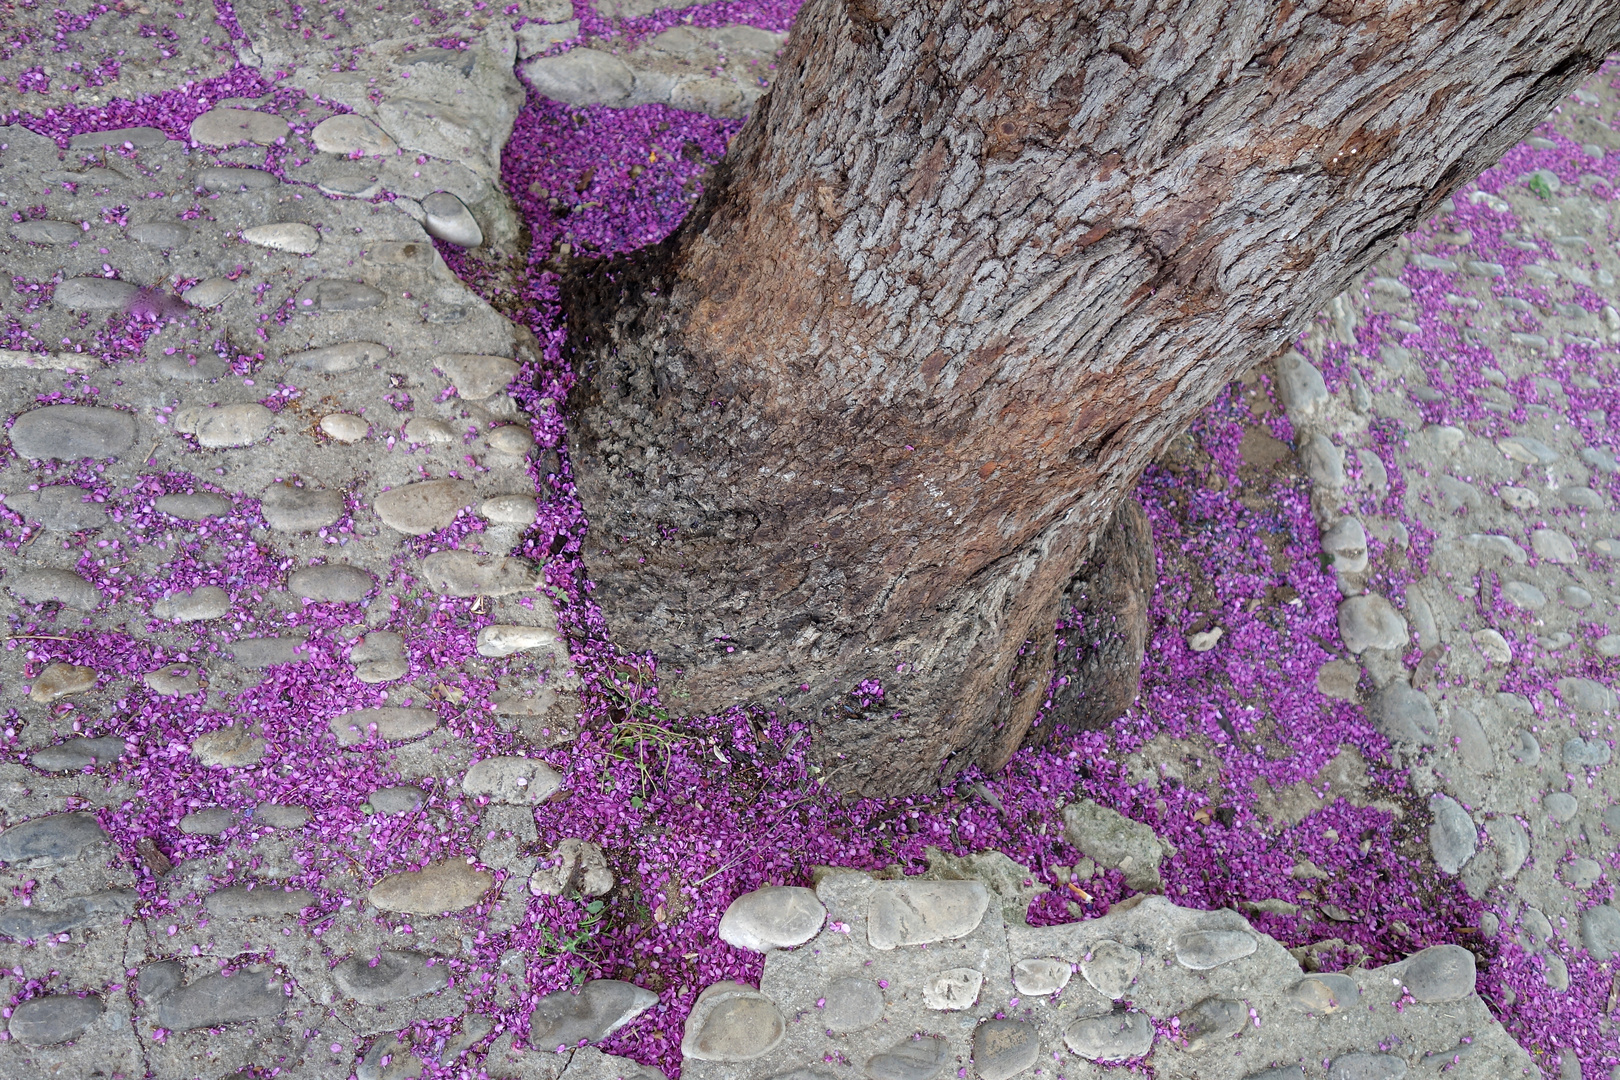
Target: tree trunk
x=959, y=279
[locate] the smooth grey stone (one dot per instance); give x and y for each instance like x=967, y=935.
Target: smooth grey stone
x=1611, y=818
x=331, y=583
x=334, y=359
x=448, y=885
x=401, y=799
x=215, y=1000
x=1111, y=968
x=477, y=376
x=1110, y=838
x=56, y=1018
x=574, y=868
x=1324, y=993
x=263, y=652
x=393, y=724
x=162, y=234
x=514, y=439
x=953, y=990
x=425, y=506
x=209, y=821
x=60, y=508
x=1041, y=975
x=1114, y=1037
x=238, y=902
x=240, y=424
x=59, y=586
x=1600, y=459
x=299, y=509
x=401, y=253
x=209, y=292
x=1473, y=745
x=55, y=836
x=1283, y=1072
x=175, y=680
x=230, y=747
x=1004, y=1048
x=1529, y=451
x=335, y=294
x=72, y=432
x=601, y=1007
x=910, y=1059
x=1452, y=836
x=852, y=1004
x=378, y=645
x=510, y=509
x=1600, y=932
x=1367, y=1067
x=207, y=602
x=350, y=186
x=35, y=923
x=94, y=293
x=231, y=127
x=1212, y=1020
x=77, y=754
x=235, y=178
x=197, y=506
x=1524, y=595
x=471, y=573
x=138, y=137
x=1440, y=973
x=1370, y=622
x=774, y=917
x=391, y=976
x=1205, y=949
x=462, y=60
x=47, y=232
x=448, y=219
x=921, y=912
x=581, y=77
x=805, y=1073
x=1575, y=596
x=293, y=237
x=159, y=979
x=512, y=780
x=474, y=1029
x=348, y=134
x=281, y=816
x=1584, y=694
x=1585, y=753
x=403, y=1064
x=1404, y=715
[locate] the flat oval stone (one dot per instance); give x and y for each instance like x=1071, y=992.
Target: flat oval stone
x=774, y=917
x=1371, y=622
x=1586, y=695
x=1324, y=994
x=501, y=639
x=263, y=652
x=1004, y=1048
x=174, y=680
x=1554, y=546
x=97, y=908
x=401, y=1062
x=209, y=821
x=393, y=975
x=331, y=583
x=1585, y=753
x=379, y=645
x=344, y=356
x=60, y=680
x=299, y=509
x=229, y=747
x=953, y=989
x=449, y=885
x=161, y=234
x=401, y=253
x=1453, y=839
x=350, y=135
x=208, y=602
x=421, y=431
x=77, y=754
x=1439, y=973
x=510, y=509
x=910, y=1059
x=210, y=292
x=281, y=816
x=1404, y=714
x=513, y=439
x=1115, y=1037
x=601, y=1007
x=1205, y=949
x=732, y=1022
x=477, y=376
x=470, y=573
x=254, y=993
x=55, y=1018
x=72, y=432
x=242, y=424
x=350, y=186
x=1041, y=975
x=852, y=1004
x=425, y=506
x=920, y=912
x=232, y=127
x=447, y=218
x=1367, y=1067
x=238, y=902
x=60, y=508
x=1600, y=931
x=94, y=294
x=512, y=780
x=1211, y=1020
x=156, y=980
x=225, y=178
x=135, y=138
x=55, y=586
x=194, y=506
x=400, y=799
x=56, y=837
x=344, y=427
x=199, y=369
x=1111, y=968
x=290, y=236
x=336, y=294
x=47, y=232
x=392, y=724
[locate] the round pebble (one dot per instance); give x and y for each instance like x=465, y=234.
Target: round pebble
x=344, y=427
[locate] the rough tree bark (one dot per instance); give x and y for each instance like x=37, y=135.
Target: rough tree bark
x=958, y=280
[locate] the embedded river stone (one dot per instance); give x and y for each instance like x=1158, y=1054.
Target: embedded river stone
x=60, y=508
x=953, y=989
x=602, y=1006
x=331, y=582
x=239, y=902
x=161, y=234
x=176, y=680
x=1113, y=840
x=1452, y=836
x=1371, y=622
x=253, y=993
x=77, y=754
x=1600, y=932
x=510, y=509
x=281, y=816
x=911, y=1059
x=1404, y=714
x=229, y=426
x=56, y=837
x=852, y=1004
x=1205, y=949
x=447, y=218
x=438, y=888
x=194, y=506
x=391, y=724
x=352, y=135
x=59, y=586
x=1004, y=1048
x=775, y=917
x=60, y=680
x=93, y=294
x=1584, y=753
x=133, y=137
x=389, y=1058
x=731, y=1022
x=230, y=178
x=263, y=652
x=1111, y=968
x=504, y=639
x=423, y=507
x=290, y=236
x=345, y=428
x=476, y=376
x=1367, y=1067
x=335, y=359
x=56, y=1018
x=1114, y=1037
x=209, y=821
x=513, y=780
x=299, y=509
x=199, y=369
x=514, y=439
x=1439, y=973
x=230, y=747
x=1324, y=994
x=1211, y=1020
x=336, y=294
x=399, y=799
x=46, y=232
x=471, y=573
x=35, y=923
x=208, y=602
x=921, y=912
x=1041, y=975
x=72, y=432
x=209, y=293
x=391, y=976
x=230, y=127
